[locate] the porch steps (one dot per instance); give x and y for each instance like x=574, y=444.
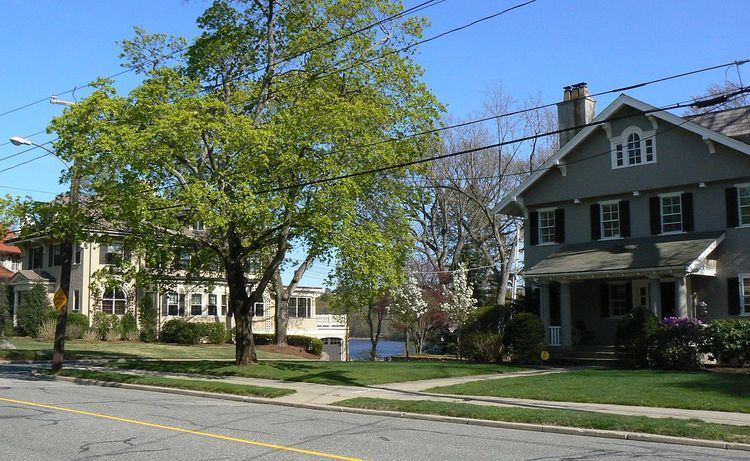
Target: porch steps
x=590, y=355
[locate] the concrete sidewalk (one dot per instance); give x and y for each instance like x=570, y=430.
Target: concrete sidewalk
x=323, y=394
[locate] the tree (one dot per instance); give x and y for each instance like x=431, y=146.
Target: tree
x=718, y=91
x=148, y=318
x=409, y=307
x=232, y=134
x=31, y=312
x=4, y=308
x=460, y=302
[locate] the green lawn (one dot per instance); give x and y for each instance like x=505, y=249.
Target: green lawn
x=346, y=373
x=664, y=426
x=698, y=391
x=31, y=349
x=191, y=384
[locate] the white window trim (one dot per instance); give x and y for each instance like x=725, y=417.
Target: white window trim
x=203, y=310
x=623, y=141
x=609, y=296
x=661, y=213
x=744, y=310
x=739, y=208
x=539, y=230
x=601, y=220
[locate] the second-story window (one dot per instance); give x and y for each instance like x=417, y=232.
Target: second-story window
x=196, y=304
x=610, y=212
x=183, y=259
x=259, y=309
x=56, y=256
x=36, y=256
x=547, y=226
x=743, y=201
x=671, y=213
x=634, y=147
x=114, y=252
x=77, y=255
x=299, y=307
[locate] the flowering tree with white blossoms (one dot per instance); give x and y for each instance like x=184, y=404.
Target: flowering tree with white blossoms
x=409, y=307
x=460, y=297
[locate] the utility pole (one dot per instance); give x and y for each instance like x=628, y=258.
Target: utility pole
x=62, y=294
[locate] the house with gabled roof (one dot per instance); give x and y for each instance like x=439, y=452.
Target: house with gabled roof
x=639, y=207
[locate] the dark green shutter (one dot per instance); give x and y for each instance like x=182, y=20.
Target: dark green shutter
x=733, y=295
x=604, y=299
x=687, y=212
x=560, y=225
x=733, y=218
x=181, y=311
x=534, y=227
x=655, y=209
x=164, y=306
x=624, y=218
x=629, y=296
x=596, y=228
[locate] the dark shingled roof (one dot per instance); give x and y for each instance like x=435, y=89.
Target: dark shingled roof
x=734, y=123
x=36, y=275
x=660, y=252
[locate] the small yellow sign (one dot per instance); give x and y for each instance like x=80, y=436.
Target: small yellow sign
x=545, y=355
x=60, y=300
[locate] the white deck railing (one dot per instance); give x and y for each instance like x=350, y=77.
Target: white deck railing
x=554, y=336
x=331, y=321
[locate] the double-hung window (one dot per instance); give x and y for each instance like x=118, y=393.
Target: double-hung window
x=547, y=226
x=36, y=255
x=212, y=298
x=259, y=309
x=56, y=256
x=299, y=307
x=223, y=304
x=671, y=213
x=610, y=212
x=115, y=252
x=618, y=299
x=173, y=304
x=743, y=202
x=196, y=304
x=744, y=294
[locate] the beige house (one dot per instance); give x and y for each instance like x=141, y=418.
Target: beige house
x=204, y=302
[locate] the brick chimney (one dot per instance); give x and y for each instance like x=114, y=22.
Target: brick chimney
x=577, y=108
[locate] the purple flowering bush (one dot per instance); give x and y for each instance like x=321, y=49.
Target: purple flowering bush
x=677, y=343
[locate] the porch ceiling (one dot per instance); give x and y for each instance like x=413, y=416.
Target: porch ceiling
x=682, y=253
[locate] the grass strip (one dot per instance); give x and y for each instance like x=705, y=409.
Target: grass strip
x=179, y=383
x=336, y=373
x=649, y=388
x=691, y=428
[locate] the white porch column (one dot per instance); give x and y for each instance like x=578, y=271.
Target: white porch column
x=15, y=308
x=680, y=296
x=654, y=290
x=566, y=319
x=544, y=309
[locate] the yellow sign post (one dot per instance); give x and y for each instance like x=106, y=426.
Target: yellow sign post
x=60, y=300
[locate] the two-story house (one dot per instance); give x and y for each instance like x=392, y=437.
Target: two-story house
x=640, y=207
x=178, y=297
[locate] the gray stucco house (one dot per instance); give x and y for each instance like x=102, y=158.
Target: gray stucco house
x=645, y=209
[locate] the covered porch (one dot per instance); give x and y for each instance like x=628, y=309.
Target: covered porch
x=584, y=290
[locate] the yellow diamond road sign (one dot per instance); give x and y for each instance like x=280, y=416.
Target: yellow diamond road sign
x=60, y=299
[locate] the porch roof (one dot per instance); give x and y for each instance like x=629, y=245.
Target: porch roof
x=29, y=275
x=681, y=253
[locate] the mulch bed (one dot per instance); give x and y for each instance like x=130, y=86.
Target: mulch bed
x=288, y=350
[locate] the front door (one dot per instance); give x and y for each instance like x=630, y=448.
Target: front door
x=640, y=293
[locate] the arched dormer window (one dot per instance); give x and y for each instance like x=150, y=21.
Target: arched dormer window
x=634, y=147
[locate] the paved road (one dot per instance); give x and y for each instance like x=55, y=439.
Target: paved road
x=44, y=420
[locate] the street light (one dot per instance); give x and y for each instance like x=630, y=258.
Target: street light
x=62, y=294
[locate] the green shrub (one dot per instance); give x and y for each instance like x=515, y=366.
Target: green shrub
x=482, y=347
x=263, y=339
x=6, y=322
x=215, y=332
x=76, y=318
x=310, y=344
x=635, y=332
x=677, y=343
x=32, y=310
x=524, y=338
x=128, y=325
x=115, y=331
x=180, y=331
x=149, y=319
x=728, y=341
x=46, y=331
x=101, y=324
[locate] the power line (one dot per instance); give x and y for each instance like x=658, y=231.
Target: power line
x=128, y=69
x=27, y=136
x=25, y=150
x=29, y=190
x=478, y=149
x=46, y=154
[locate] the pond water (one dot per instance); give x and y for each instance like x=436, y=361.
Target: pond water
x=359, y=349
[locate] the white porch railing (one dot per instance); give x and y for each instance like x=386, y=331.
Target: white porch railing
x=554, y=336
x=331, y=321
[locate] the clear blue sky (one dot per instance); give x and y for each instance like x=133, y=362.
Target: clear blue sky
x=51, y=46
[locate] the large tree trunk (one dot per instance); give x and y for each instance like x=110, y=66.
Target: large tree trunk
x=282, y=312
x=375, y=327
x=239, y=303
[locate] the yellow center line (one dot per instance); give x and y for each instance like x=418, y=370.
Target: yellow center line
x=319, y=454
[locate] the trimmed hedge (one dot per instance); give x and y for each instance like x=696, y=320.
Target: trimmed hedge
x=312, y=345
x=179, y=331
x=728, y=341
x=524, y=337
x=635, y=334
x=482, y=347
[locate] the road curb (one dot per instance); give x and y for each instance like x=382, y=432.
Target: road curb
x=635, y=436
